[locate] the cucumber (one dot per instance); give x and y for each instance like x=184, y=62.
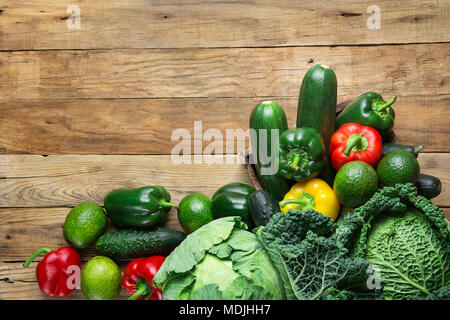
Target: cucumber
x=317, y=107
x=268, y=115
x=428, y=186
x=129, y=244
x=262, y=206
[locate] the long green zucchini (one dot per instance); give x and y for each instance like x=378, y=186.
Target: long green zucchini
x=268, y=115
x=317, y=107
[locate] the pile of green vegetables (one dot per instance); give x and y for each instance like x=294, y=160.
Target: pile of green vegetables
x=346, y=215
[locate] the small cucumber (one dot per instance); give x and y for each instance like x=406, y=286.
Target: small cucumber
x=262, y=206
x=129, y=244
x=428, y=186
x=268, y=115
x=317, y=107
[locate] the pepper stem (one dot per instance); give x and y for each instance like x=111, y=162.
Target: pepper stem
x=141, y=290
x=164, y=204
x=297, y=158
x=35, y=254
x=305, y=201
x=387, y=104
x=356, y=142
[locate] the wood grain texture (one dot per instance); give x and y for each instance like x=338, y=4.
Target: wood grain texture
x=103, y=100
x=245, y=72
x=17, y=282
x=54, y=181
x=24, y=230
x=36, y=181
x=176, y=23
x=145, y=126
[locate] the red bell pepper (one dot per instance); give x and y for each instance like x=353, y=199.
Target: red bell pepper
x=353, y=142
x=138, y=278
x=55, y=272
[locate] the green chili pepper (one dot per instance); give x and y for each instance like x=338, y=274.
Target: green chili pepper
x=302, y=154
x=369, y=109
x=140, y=207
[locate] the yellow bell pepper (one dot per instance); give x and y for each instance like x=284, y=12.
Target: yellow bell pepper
x=314, y=194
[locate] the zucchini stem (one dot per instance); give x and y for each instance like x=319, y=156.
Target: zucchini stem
x=418, y=149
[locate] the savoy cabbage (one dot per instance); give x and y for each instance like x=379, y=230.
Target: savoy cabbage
x=395, y=246
x=312, y=263
x=407, y=238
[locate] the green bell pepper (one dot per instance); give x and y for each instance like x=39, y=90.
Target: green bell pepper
x=232, y=200
x=140, y=207
x=301, y=153
x=369, y=109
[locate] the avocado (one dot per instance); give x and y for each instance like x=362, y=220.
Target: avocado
x=398, y=166
x=84, y=224
x=101, y=279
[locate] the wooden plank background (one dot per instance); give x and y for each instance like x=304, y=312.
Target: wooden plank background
x=217, y=23
x=85, y=111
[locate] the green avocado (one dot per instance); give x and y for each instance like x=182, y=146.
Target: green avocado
x=398, y=167
x=101, y=279
x=84, y=224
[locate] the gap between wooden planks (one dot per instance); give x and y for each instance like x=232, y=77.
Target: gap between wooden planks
x=174, y=24
x=23, y=230
x=145, y=126
x=66, y=180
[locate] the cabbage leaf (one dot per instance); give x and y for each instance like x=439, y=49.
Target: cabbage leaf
x=219, y=260
x=407, y=238
x=310, y=260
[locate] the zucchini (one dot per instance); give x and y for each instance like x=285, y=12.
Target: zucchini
x=317, y=107
x=389, y=147
x=129, y=244
x=262, y=206
x=268, y=115
x=428, y=186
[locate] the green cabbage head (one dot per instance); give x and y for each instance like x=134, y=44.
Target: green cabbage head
x=221, y=260
x=407, y=240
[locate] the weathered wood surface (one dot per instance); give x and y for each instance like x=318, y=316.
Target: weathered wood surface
x=36, y=181
x=244, y=72
x=65, y=180
x=103, y=101
x=174, y=24
x=145, y=126
x=27, y=229
x=17, y=282
x=24, y=230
